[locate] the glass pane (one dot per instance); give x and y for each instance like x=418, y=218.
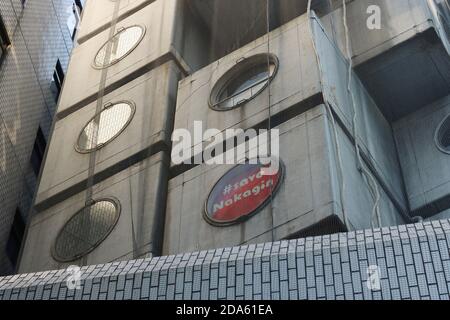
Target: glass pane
x=443, y=136
x=110, y=122
x=86, y=230
x=247, y=80
x=120, y=45
x=245, y=85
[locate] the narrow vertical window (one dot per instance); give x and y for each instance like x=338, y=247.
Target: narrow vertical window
x=4, y=40
x=38, y=152
x=74, y=18
x=79, y=5
x=15, y=238
x=57, y=80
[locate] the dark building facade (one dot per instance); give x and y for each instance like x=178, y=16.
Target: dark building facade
x=35, y=45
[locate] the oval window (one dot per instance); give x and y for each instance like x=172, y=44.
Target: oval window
x=243, y=82
x=105, y=126
x=240, y=193
x=86, y=230
x=119, y=46
x=442, y=136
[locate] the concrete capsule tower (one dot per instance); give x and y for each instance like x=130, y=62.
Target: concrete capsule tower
x=101, y=196
x=361, y=145
x=311, y=199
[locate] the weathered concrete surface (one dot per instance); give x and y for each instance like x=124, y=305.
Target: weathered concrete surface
x=426, y=169
x=150, y=129
x=400, y=20
x=141, y=190
x=308, y=195
x=156, y=48
x=374, y=133
x=296, y=80
x=97, y=15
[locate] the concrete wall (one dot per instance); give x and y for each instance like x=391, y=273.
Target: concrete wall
x=308, y=195
x=400, y=20
x=244, y=21
x=426, y=169
x=98, y=14
x=440, y=216
x=358, y=201
x=305, y=196
x=189, y=39
x=141, y=191
x=156, y=48
x=296, y=80
x=148, y=132
x=375, y=136
x=383, y=57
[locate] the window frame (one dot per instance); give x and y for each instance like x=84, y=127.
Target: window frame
x=5, y=41
x=100, y=240
x=108, y=105
x=437, y=134
x=117, y=33
x=77, y=9
x=242, y=65
x=58, y=79
x=15, y=238
x=38, y=153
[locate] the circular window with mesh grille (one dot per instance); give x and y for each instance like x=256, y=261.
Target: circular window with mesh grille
x=442, y=136
x=119, y=46
x=105, y=126
x=244, y=81
x=86, y=229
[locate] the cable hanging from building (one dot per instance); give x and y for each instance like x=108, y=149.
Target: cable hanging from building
x=369, y=178
x=333, y=122
x=89, y=201
x=371, y=182
x=269, y=123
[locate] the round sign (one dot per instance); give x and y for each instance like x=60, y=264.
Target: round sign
x=240, y=193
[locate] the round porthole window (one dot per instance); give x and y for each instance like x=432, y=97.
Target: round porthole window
x=86, y=230
x=119, y=46
x=105, y=126
x=243, y=82
x=442, y=136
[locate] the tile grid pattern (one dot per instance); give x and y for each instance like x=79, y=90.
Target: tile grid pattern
x=413, y=262
x=39, y=37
